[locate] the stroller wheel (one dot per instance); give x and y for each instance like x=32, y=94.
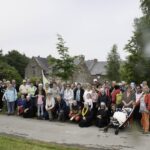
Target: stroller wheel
x=116, y=131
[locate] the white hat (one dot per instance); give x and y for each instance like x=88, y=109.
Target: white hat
x=40, y=84
x=95, y=80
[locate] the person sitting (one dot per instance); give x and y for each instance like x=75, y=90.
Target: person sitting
x=50, y=105
x=75, y=113
x=102, y=119
x=29, y=109
x=20, y=104
x=61, y=109
x=87, y=116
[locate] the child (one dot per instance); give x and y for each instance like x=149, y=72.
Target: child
x=40, y=105
x=20, y=104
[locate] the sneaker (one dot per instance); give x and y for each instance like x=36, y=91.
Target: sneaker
x=146, y=132
x=8, y=114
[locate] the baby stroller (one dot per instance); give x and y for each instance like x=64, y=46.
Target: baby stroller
x=120, y=119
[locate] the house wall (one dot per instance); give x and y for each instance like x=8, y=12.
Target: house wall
x=33, y=69
x=82, y=75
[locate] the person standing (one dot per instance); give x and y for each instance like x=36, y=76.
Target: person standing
x=1, y=95
x=23, y=89
x=145, y=109
x=10, y=96
x=78, y=95
x=138, y=95
x=68, y=95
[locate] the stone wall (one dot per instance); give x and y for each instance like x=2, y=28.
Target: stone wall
x=82, y=75
x=33, y=69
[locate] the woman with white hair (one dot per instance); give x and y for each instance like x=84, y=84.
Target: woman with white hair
x=10, y=96
x=102, y=118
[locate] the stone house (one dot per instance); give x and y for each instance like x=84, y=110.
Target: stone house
x=85, y=73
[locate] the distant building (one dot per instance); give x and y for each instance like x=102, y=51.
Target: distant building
x=86, y=70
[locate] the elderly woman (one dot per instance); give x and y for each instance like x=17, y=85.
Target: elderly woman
x=102, y=119
x=10, y=96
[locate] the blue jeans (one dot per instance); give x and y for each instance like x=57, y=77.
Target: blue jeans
x=11, y=107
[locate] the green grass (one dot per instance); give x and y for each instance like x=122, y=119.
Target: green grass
x=16, y=143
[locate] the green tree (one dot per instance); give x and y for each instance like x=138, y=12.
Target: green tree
x=113, y=64
x=18, y=61
x=7, y=72
x=137, y=66
x=1, y=55
x=64, y=66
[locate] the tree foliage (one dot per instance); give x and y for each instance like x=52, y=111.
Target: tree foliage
x=8, y=72
x=137, y=66
x=18, y=61
x=63, y=67
x=113, y=64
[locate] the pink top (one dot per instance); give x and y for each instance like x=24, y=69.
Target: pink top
x=40, y=99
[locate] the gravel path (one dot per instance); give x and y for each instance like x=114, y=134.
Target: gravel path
x=71, y=134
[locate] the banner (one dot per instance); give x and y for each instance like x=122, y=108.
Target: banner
x=45, y=80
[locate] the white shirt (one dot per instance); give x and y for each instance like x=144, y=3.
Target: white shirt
x=23, y=89
x=137, y=96
x=50, y=103
x=68, y=94
x=90, y=102
x=85, y=94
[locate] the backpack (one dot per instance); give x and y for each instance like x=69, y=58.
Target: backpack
x=119, y=98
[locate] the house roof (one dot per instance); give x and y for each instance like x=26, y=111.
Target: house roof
x=90, y=64
x=95, y=67
x=99, y=68
x=43, y=63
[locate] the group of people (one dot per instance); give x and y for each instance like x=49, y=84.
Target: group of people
x=85, y=104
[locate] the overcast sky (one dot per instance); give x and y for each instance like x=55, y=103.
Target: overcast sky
x=90, y=27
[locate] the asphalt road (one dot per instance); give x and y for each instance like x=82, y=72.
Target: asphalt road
x=71, y=134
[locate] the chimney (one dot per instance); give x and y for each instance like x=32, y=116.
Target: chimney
x=95, y=60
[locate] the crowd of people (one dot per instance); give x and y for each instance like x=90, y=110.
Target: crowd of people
x=85, y=104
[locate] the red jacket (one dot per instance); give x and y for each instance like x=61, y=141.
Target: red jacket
x=147, y=101
x=113, y=95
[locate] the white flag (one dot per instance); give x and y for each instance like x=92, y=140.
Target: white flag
x=45, y=80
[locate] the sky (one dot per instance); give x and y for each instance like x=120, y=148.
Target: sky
x=89, y=27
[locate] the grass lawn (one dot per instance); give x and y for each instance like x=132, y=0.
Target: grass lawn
x=16, y=143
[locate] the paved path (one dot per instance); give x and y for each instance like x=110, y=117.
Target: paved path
x=66, y=133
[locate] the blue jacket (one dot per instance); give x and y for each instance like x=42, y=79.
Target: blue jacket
x=10, y=95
